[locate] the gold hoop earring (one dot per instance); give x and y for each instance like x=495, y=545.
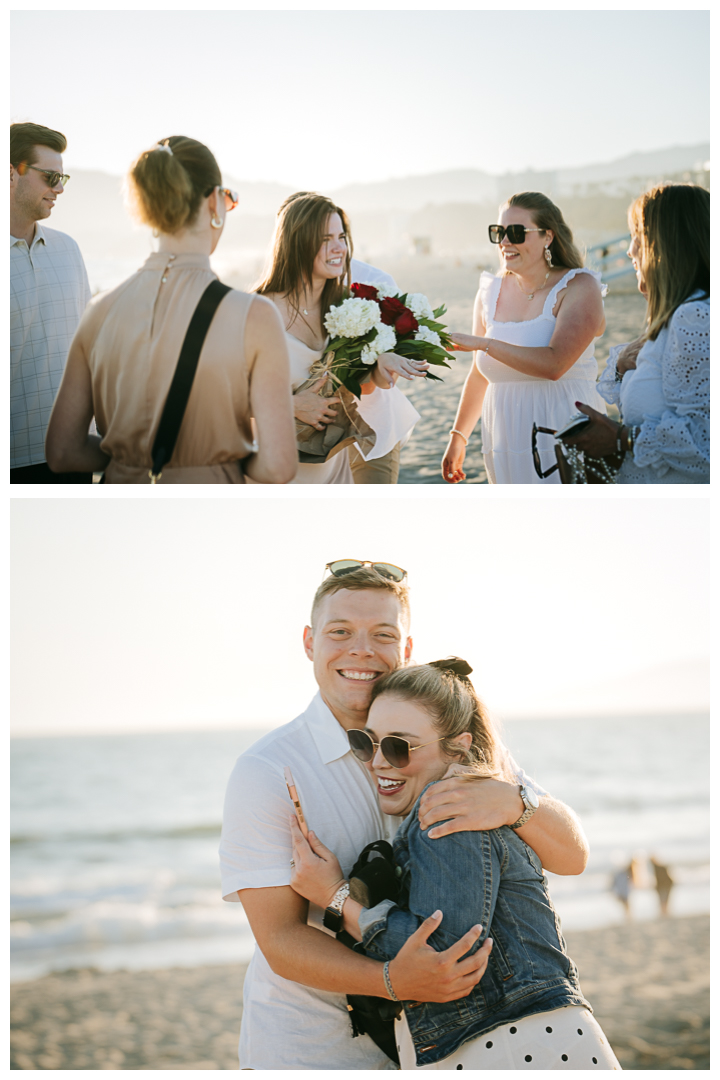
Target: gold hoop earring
x=548, y=257
x=216, y=222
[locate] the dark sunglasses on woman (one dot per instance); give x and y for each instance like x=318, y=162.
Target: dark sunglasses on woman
x=346, y=566
x=514, y=233
x=395, y=750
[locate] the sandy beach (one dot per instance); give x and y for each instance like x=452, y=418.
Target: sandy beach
x=648, y=983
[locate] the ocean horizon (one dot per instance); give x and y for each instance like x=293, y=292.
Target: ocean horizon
x=114, y=837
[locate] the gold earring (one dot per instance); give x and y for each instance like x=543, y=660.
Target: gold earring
x=548, y=257
x=216, y=222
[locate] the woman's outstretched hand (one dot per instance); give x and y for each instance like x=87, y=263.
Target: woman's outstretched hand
x=390, y=366
x=452, y=462
x=467, y=343
x=599, y=437
x=311, y=408
x=316, y=875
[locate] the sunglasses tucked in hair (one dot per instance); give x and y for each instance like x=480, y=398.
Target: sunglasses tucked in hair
x=514, y=233
x=53, y=178
x=395, y=750
x=385, y=569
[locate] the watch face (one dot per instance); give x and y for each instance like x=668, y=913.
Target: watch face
x=530, y=798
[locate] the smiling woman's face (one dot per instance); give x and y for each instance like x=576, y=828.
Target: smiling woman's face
x=398, y=789
x=332, y=256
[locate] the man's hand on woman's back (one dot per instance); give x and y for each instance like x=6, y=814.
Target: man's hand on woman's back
x=419, y=973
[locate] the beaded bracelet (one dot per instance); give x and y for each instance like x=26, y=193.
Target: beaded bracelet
x=388, y=984
x=454, y=431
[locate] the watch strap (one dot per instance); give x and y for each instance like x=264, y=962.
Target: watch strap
x=529, y=811
x=332, y=919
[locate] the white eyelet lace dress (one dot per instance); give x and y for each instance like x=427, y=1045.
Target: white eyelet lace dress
x=567, y=1038
x=668, y=396
x=513, y=401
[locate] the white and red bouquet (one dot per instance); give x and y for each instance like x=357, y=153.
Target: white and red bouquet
x=374, y=321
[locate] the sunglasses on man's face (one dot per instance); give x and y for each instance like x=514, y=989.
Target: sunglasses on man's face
x=395, y=750
x=53, y=178
x=514, y=233
x=385, y=569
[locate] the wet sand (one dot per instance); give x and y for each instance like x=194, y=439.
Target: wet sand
x=648, y=983
x=456, y=285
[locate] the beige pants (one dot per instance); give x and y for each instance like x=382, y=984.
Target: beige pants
x=384, y=470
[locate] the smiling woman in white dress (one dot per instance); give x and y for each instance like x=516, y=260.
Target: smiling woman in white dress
x=534, y=331
x=309, y=272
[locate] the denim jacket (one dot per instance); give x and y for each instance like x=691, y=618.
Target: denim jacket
x=492, y=878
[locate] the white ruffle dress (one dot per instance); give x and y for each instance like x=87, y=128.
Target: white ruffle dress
x=513, y=401
x=667, y=395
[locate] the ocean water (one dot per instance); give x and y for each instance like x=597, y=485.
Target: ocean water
x=114, y=838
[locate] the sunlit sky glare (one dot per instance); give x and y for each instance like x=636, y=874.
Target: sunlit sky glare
x=153, y=614
x=319, y=99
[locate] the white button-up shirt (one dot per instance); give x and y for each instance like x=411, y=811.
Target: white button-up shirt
x=49, y=291
x=286, y=1025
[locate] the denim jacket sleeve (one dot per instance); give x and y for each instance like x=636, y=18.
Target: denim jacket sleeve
x=457, y=874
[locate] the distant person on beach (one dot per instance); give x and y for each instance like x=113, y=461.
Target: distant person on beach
x=663, y=884
x=534, y=330
x=126, y=350
x=661, y=381
x=622, y=884
x=49, y=291
x=295, y=1011
x=528, y=1012
x=310, y=270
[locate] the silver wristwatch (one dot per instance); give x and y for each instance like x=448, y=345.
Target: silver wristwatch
x=531, y=802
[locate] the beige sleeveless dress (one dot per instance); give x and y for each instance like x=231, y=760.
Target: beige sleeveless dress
x=139, y=329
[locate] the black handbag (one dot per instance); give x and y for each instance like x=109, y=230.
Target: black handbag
x=574, y=466
x=181, y=385
x=373, y=878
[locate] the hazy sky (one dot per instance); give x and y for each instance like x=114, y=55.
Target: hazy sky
x=318, y=99
x=155, y=612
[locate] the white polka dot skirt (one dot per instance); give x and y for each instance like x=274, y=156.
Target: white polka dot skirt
x=568, y=1038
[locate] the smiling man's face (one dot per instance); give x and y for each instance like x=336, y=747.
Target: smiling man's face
x=358, y=636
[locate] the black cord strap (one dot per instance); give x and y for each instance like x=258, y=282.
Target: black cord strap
x=181, y=385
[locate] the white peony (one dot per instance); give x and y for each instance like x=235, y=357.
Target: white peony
x=385, y=290
x=424, y=333
x=420, y=306
x=353, y=318
x=384, y=341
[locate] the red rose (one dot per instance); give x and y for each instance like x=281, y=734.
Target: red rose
x=364, y=292
x=391, y=309
x=406, y=323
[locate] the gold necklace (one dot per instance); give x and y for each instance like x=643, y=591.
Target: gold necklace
x=531, y=295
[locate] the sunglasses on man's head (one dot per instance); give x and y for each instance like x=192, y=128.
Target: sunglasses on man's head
x=395, y=750
x=53, y=178
x=385, y=569
x=514, y=233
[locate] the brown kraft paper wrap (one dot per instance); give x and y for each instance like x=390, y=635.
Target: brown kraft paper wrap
x=348, y=427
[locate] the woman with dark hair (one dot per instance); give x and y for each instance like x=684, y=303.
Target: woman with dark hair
x=534, y=331
x=661, y=381
x=309, y=272
x=527, y=1011
x=125, y=353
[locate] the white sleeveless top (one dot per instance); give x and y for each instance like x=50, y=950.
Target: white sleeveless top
x=514, y=401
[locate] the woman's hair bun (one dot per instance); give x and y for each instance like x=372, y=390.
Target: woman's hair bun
x=455, y=664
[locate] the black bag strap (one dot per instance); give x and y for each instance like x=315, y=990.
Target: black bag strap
x=181, y=385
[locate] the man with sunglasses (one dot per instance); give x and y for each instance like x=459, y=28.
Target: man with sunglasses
x=295, y=1010
x=49, y=291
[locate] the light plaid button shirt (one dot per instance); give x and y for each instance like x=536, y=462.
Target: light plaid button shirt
x=49, y=291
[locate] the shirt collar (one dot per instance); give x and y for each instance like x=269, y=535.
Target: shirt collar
x=38, y=238
x=330, y=737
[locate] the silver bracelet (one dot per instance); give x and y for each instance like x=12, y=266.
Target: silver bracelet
x=388, y=984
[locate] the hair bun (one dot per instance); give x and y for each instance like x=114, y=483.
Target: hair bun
x=455, y=664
